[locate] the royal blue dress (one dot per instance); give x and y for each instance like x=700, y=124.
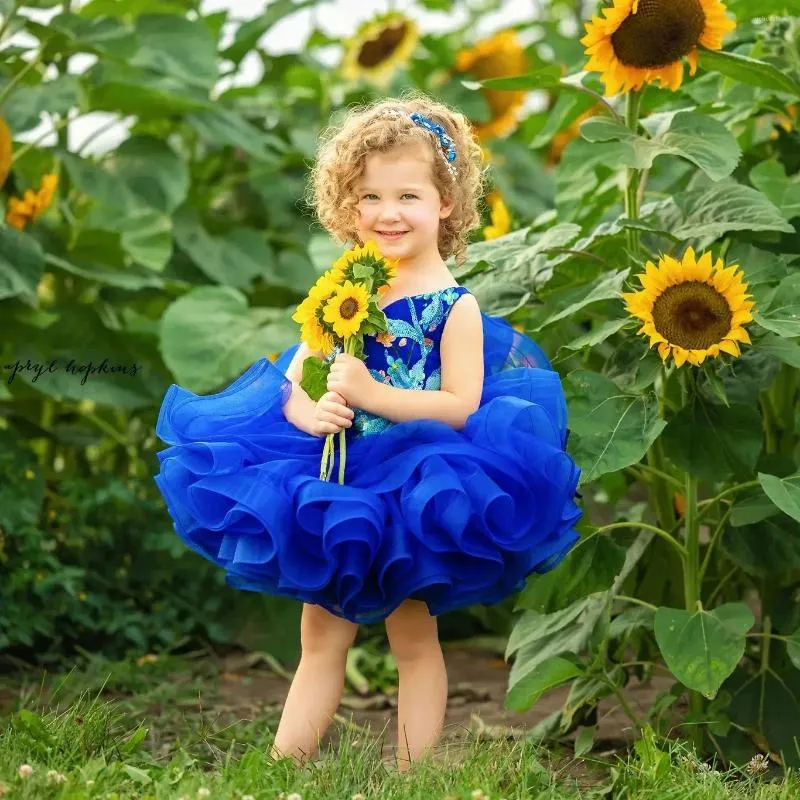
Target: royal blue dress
x=451, y=517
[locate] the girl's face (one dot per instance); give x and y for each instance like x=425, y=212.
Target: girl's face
x=399, y=206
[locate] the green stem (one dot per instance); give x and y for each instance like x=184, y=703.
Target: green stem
x=713, y=596
x=765, y=645
x=676, y=482
x=716, y=535
x=644, y=526
x=636, y=601
x=633, y=104
x=691, y=585
x=768, y=422
x=9, y=18
x=9, y=87
x=730, y=490
x=349, y=346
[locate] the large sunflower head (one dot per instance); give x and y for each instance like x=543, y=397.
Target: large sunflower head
x=500, y=56
x=347, y=309
x=324, y=287
x=384, y=270
x=692, y=309
x=640, y=41
x=500, y=218
x=379, y=47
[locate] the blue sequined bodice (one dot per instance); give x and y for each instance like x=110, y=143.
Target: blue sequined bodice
x=408, y=356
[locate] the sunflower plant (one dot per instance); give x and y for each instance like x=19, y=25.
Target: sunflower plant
x=340, y=309
x=664, y=281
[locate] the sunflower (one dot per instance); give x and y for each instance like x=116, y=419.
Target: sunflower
x=316, y=337
x=378, y=47
x=691, y=309
x=324, y=287
x=500, y=56
x=384, y=270
x=501, y=219
x=641, y=41
x=32, y=204
x=347, y=309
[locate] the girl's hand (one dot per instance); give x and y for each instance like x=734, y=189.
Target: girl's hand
x=350, y=377
x=331, y=415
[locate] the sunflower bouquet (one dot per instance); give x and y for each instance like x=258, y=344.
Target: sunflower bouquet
x=340, y=309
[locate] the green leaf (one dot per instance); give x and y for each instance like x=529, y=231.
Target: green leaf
x=768, y=702
x=784, y=492
x=770, y=178
x=123, y=89
x=598, y=334
x=769, y=548
x=752, y=510
x=723, y=207
x=137, y=774
x=749, y=70
x=703, y=648
x=714, y=441
x=250, y=32
x=784, y=350
x=782, y=316
x=528, y=689
x=24, y=108
x=232, y=260
x=591, y=566
x=567, y=109
x=584, y=741
x=696, y=137
x=146, y=236
x=209, y=336
x=153, y=171
x=607, y=287
x=315, y=377
x=610, y=430
x=544, y=78
x=178, y=47
x=21, y=264
x=221, y=126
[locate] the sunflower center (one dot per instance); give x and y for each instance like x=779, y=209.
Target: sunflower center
x=348, y=308
x=692, y=315
x=378, y=50
x=660, y=33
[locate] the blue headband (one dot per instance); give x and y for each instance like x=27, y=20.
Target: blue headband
x=446, y=146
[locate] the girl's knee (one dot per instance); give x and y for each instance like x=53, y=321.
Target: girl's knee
x=412, y=632
x=323, y=633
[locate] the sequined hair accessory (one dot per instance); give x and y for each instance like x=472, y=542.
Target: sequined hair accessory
x=446, y=146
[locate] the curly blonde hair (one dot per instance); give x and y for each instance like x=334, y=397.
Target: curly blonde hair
x=344, y=148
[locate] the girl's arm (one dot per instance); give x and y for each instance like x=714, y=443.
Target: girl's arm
x=299, y=408
x=462, y=375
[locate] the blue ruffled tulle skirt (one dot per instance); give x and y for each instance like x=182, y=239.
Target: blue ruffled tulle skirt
x=451, y=517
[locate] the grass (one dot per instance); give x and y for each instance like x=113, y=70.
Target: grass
x=136, y=730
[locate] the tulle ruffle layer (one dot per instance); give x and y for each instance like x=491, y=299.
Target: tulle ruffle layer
x=449, y=517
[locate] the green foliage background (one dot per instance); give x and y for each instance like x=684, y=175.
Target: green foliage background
x=185, y=250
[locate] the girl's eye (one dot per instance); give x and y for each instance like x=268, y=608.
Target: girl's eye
x=369, y=196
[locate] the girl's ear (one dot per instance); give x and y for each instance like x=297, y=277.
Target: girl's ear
x=446, y=207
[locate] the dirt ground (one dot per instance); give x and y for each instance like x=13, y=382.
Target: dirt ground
x=477, y=683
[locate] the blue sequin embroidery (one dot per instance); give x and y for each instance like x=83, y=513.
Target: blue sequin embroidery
x=408, y=355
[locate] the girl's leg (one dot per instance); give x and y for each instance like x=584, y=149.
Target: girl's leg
x=317, y=685
x=422, y=697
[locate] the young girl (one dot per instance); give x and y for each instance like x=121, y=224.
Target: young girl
x=457, y=482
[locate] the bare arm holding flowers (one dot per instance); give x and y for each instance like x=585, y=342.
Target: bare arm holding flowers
x=328, y=415
x=462, y=376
